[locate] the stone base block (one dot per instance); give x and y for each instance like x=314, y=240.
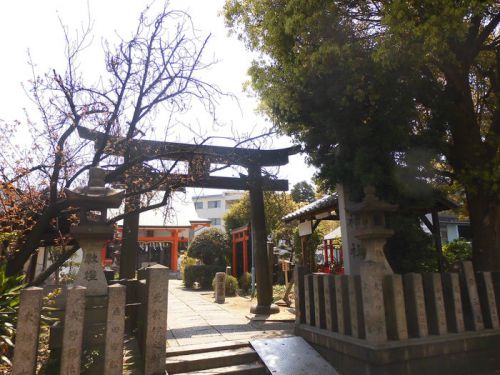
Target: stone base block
x=456, y=353
x=264, y=309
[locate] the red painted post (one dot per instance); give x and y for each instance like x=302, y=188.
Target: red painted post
x=234, y=254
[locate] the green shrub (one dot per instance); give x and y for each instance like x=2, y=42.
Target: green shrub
x=457, y=251
x=201, y=274
x=186, y=262
x=245, y=281
x=231, y=285
x=211, y=246
x=10, y=287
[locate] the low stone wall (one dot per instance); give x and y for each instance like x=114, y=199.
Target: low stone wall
x=400, y=320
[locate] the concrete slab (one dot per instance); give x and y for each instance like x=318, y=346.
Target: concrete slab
x=291, y=356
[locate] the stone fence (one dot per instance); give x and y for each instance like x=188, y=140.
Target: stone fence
x=151, y=332
x=394, y=310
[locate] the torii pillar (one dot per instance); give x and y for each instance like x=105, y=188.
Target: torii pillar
x=259, y=243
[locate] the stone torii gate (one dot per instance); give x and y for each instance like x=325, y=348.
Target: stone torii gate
x=199, y=159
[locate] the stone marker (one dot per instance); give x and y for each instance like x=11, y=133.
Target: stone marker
x=434, y=303
x=330, y=303
x=488, y=300
x=355, y=306
x=319, y=300
x=28, y=325
x=309, y=300
x=298, y=281
x=453, y=303
x=155, y=335
x=339, y=302
x=415, y=305
x=220, y=287
x=115, y=327
x=73, y=331
x=373, y=302
x=472, y=308
x=395, y=307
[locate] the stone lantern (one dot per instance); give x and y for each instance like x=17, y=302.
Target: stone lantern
x=370, y=227
x=93, y=231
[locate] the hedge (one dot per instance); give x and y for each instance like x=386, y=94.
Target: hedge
x=201, y=274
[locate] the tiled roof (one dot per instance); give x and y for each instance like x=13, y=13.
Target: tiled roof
x=320, y=205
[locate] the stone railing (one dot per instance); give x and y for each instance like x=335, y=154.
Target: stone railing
x=398, y=307
x=151, y=334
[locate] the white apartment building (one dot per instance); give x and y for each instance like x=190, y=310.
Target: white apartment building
x=214, y=206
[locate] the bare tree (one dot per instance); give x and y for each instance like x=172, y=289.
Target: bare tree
x=152, y=73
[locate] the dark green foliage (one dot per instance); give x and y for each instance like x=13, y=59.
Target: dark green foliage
x=210, y=246
x=457, y=251
x=231, y=285
x=201, y=274
x=386, y=93
x=302, y=192
x=410, y=249
x=10, y=288
x=245, y=281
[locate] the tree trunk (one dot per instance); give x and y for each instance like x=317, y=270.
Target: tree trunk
x=474, y=162
x=484, y=212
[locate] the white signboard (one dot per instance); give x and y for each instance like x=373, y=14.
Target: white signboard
x=305, y=228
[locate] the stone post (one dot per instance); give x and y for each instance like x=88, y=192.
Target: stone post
x=298, y=280
x=373, y=302
x=155, y=335
x=355, y=306
x=28, y=325
x=319, y=300
x=453, y=302
x=488, y=300
x=340, y=301
x=395, y=307
x=470, y=297
x=220, y=287
x=495, y=277
x=330, y=303
x=434, y=303
x=73, y=331
x=350, y=244
x=415, y=305
x=115, y=327
x=309, y=300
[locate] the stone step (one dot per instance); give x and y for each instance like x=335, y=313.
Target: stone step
x=202, y=348
x=210, y=360
x=253, y=368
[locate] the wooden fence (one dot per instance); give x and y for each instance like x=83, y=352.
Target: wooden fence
x=398, y=307
x=151, y=334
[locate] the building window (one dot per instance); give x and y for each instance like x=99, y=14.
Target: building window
x=215, y=221
x=198, y=205
x=213, y=204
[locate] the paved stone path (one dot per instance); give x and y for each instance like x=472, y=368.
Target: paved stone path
x=194, y=319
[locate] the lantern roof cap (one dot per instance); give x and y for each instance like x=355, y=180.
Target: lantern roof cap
x=371, y=203
x=95, y=195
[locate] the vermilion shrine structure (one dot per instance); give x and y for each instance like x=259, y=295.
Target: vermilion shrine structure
x=199, y=159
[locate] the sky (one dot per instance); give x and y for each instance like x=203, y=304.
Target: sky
x=35, y=26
